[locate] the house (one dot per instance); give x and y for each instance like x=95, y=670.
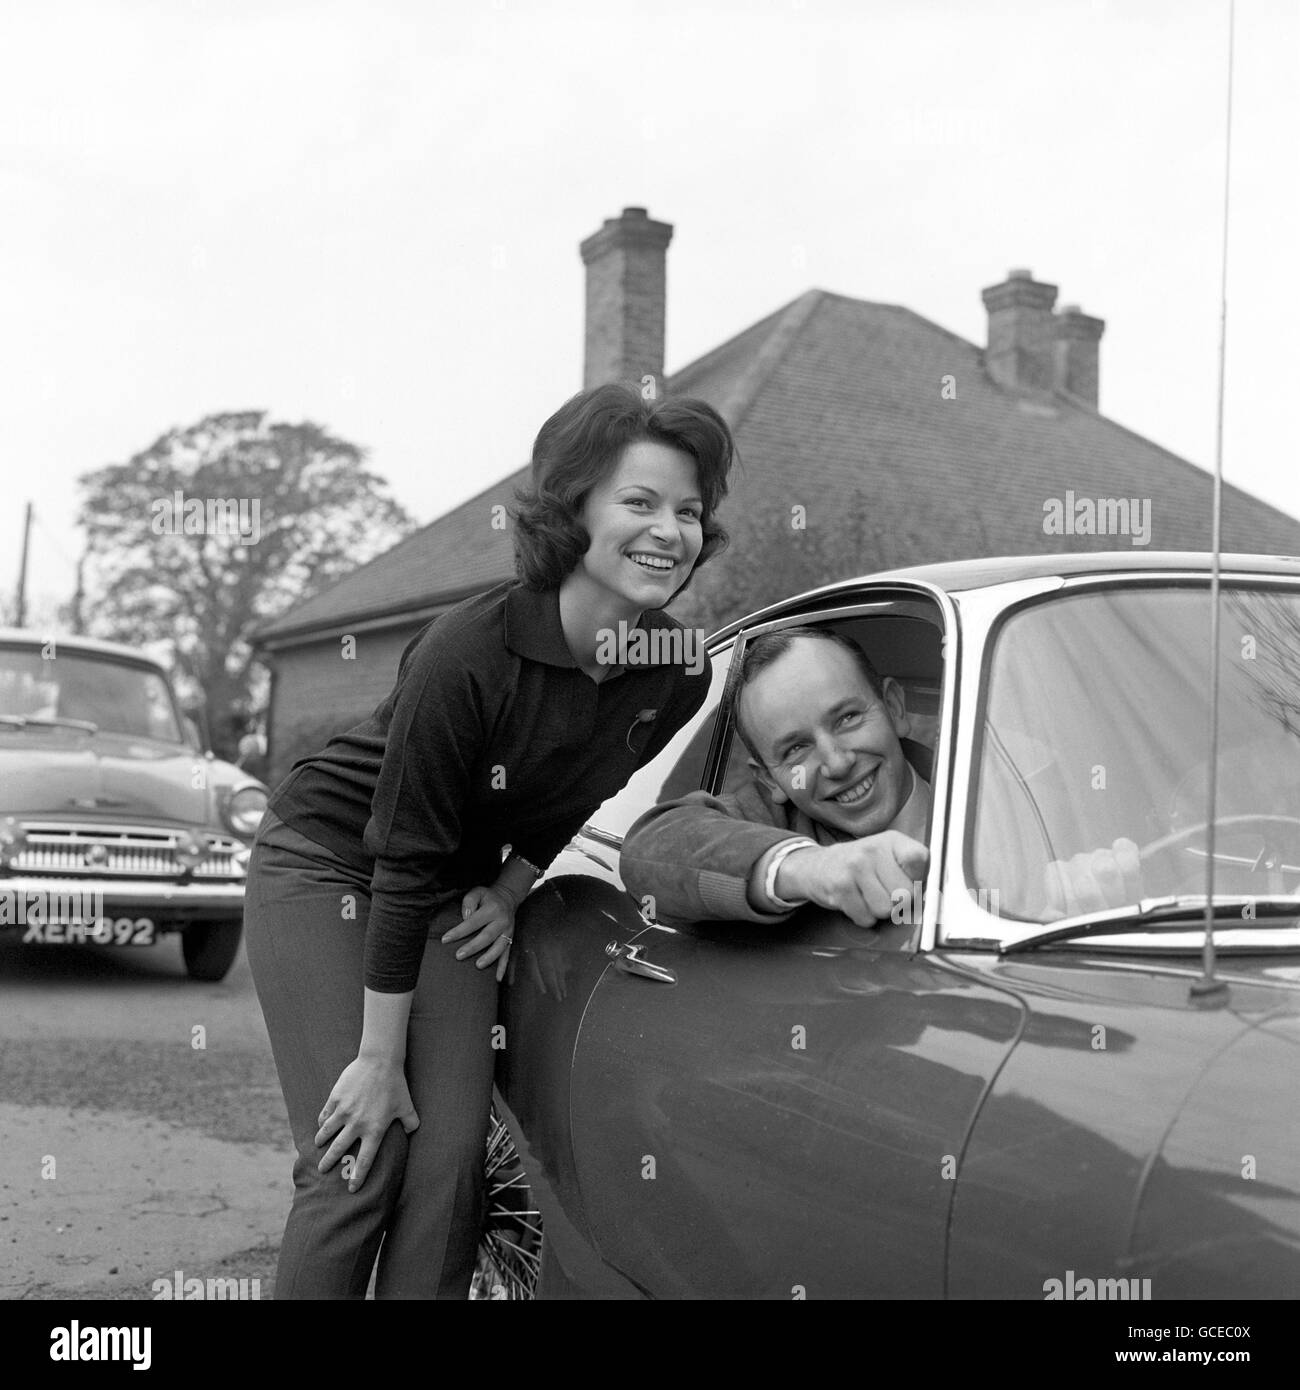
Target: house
x=927, y=446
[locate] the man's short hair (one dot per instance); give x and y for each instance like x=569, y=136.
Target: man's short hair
x=764, y=650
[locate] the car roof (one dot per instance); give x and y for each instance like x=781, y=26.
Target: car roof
x=956, y=575
x=977, y=574
x=25, y=636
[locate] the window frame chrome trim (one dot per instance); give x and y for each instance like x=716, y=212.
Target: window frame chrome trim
x=931, y=596
x=615, y=842
x=967, y=924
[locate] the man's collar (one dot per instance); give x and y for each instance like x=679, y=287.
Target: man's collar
x=914, y=817
x=534, y=629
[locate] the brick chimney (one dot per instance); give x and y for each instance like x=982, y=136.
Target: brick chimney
x=1022, y=337
x=626, y=280
x=1077, y=336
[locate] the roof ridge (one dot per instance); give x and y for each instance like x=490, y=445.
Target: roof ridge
x=938, y=327
x=266, y=625
x=378, y=610
x=1204, y=470
x=955, y=460
x=710, y=358
x=791, y=323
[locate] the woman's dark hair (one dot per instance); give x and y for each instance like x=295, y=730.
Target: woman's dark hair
x=579, y=446
x=764, y=650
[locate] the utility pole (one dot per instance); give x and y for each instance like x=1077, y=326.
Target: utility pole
x=79, y=597
x=22, y=569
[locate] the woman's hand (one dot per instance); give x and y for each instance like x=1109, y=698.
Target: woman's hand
x=491, y=913
x=369, y=1095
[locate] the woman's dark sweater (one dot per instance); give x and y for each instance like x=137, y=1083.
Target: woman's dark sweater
x=492, y=735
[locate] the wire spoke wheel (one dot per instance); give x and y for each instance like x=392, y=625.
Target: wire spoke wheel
x=510, y=1249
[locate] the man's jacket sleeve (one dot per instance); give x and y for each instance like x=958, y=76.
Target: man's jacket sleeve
x=693, y=856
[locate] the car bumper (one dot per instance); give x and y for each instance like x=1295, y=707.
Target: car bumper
x=165, y=902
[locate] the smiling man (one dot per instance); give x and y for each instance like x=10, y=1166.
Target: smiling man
x=836, y=811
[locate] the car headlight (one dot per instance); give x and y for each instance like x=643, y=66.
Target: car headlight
x=244, y=810
x=13, y=840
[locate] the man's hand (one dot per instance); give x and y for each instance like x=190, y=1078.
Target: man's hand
x=858, y=878
x=1094, y=881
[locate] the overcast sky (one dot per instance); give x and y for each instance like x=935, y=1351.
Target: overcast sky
x=367, y=214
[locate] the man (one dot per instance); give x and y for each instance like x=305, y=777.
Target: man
x=837, y=808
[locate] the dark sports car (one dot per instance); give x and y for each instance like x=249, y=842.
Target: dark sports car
x=977, y=1097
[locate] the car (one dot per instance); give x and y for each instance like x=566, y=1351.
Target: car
x=115, y=826
x=981, y=1097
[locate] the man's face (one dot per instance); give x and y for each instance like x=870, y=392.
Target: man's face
x=831, y=744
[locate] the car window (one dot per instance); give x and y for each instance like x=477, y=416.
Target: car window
x=117, y=697
x=905, y=643
x=1094, y=729
x=679, y=769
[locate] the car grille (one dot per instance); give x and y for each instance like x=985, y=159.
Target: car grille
x=132, y=852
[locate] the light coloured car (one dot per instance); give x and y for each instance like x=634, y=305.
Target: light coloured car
x=116, y=827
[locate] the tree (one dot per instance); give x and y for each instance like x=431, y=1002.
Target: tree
x=770, y=556
x=784, y=551
x=221, y=526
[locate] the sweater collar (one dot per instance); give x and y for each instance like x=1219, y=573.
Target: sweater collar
x=533, y=629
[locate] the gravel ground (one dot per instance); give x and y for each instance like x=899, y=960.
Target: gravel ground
x=165, y=1156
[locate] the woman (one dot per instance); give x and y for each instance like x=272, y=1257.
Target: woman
x=381, y=900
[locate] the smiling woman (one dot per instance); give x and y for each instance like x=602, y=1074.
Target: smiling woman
x=570, y=468
x=510, y=722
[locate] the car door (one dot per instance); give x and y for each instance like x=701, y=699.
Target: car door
x=784, y=1117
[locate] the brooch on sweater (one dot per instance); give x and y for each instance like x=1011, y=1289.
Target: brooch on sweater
x=644, y=718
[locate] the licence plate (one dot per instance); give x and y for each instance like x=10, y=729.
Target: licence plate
x=104, y=931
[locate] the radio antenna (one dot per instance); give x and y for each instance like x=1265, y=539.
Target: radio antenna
x=1207, y=984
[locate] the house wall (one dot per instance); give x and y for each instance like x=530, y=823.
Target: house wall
x=319, y=692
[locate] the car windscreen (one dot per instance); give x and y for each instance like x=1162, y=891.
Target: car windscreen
x=1096, y=728
x=116, y=696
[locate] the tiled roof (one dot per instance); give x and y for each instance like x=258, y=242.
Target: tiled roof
x=835, y=402
x=459, y=554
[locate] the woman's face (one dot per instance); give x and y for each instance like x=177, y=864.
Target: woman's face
x=645, y=524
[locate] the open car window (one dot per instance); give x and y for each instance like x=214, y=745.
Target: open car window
x=679, y=769
x=903, y=640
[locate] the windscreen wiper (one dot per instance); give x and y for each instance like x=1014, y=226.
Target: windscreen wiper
x=21, y=721
x=1157, y=914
